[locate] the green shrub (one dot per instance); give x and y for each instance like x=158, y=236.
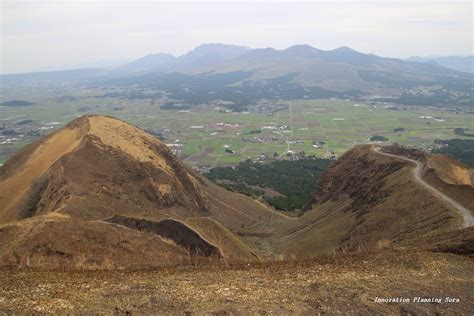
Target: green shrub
x=294, y=180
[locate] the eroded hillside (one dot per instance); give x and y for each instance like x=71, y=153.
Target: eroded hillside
x=102, y=194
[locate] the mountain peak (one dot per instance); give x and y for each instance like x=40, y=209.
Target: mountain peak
x=206, y=46
x=223, y=50
x=301, y=47
x=345, y=49
x=157, y=55
x=98, y=177
x=302, y=50
x=150, y=62
x=90, y=154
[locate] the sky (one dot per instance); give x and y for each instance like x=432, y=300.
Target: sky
x=41, y=34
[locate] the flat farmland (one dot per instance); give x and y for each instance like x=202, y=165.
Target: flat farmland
x=202, y=135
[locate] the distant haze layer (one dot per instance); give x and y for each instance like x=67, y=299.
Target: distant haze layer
x=39, y=35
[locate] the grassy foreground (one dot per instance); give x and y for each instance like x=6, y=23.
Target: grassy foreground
x=343, y=284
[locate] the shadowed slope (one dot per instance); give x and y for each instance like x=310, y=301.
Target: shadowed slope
x=173, y=230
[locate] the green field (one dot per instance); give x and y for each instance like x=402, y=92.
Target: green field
x=337, y=123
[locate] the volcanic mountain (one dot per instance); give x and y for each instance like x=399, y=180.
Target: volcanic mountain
x=100, y=193
x=243, y=76
x=89, y=191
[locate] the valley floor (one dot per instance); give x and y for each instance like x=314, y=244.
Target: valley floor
x=342, y=284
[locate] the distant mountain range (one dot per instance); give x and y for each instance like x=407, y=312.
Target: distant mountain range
x=218, y=57
x=204, y=55
x=463, y=63
x=105, y=63
x=242, y=75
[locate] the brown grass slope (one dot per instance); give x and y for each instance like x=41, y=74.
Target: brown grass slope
x=56, y=241
x=20, y=172
x=366, y=201
x=452, y=178
x=97, y=167
x=448, y=175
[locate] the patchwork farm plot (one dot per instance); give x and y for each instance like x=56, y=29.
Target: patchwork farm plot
x=210, y=136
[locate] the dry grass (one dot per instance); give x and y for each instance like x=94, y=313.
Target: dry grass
x=13, y=188
x=128, y=139
x=452, y=178
x=342, y=284
x=233, y=248
x=364, y=201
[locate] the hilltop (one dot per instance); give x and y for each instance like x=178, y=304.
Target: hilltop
x=106, y=181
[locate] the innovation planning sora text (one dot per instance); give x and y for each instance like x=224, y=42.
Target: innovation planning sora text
x=417, y=299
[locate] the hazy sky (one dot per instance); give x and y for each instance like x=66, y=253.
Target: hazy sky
x=42, y=33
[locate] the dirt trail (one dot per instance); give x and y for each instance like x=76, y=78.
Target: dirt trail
x=468, y=219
